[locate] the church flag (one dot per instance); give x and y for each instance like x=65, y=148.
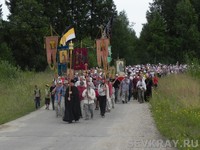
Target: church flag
x=69, y=35
x=102, y=51
x=51, y=44
x=80, y=58
x=108, y=28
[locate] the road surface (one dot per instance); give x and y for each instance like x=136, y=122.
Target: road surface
x=127, y=127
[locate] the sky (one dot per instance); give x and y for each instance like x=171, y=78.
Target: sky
x=135, y=11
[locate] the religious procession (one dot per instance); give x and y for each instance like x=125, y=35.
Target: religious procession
x=77, y=90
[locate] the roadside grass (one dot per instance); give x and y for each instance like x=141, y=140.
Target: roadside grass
x=176, y=109
x=17, y=94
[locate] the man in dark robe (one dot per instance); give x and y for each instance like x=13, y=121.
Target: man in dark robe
x=116, y=84
x=149, y=84
x=135, y=91
x=72, y=104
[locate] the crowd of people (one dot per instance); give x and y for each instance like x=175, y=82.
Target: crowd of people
x=92, y=90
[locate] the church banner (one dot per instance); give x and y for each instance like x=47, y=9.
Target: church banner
x=102, y=51
x=51, y=43
x=80, y=58
x=63, y=56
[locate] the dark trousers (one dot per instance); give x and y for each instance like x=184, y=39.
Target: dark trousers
x=52, y=101
x=116, y=94
x=37, y=102
x=102, y=104
x=130, y=95
x=135, y=94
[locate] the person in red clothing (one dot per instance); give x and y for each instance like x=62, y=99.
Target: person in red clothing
x=155, y=81
x=81, y=88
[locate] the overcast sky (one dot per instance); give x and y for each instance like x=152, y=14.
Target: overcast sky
x=135, y=10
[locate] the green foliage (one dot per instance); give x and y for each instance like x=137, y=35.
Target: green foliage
x=84, y=15
x=176, y=109
x=17, y=91
x=123, y=48
x=171, y=31
x=1, y=13
x=153, y=40
x=28, y=47
x=8, y=72
x=193, y=66
x=6, y=53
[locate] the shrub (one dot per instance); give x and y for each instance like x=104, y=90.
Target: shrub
x=8, y=71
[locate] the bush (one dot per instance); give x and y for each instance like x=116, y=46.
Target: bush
x=194, y=66
x=8, y=71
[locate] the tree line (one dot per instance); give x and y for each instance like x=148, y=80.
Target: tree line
x=171, y=33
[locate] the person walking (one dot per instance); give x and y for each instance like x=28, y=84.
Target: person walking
x=116, y=85
x=109, y=102
x=89, y=97
x=135, y=90
x=52, y=94
x=149, y=85
x=47, y=96
x=141, y=86
x=72, y=103
x=57, y=91
x=155, y=81
x=103, y=96
x=81, y=88
x=62, y=103
x=124, y=89
x=37, y=97
x=130, y=94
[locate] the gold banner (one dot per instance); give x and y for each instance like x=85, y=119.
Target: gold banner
x=63, y=56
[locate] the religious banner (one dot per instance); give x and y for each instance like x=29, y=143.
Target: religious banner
x=51, y=43
x=102, y=51
x=62, y=69
x=120, y=66
x=69, y=35
x=112, y=72
x=80, y=58
x=63, y=56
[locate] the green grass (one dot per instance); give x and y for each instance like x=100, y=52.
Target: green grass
x=17, y=94
x=176, y=109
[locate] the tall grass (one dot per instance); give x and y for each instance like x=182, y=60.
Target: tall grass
x=17, y=91
x=176, y=109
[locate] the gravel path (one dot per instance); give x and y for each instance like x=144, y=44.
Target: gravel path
x=127, y=127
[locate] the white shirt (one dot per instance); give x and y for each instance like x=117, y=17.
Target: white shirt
x=89, y=97
x=141, y=85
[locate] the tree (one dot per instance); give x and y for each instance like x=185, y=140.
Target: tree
x=1, y=14
x=123, y=39
x=84, y=15
x=153, y=37
x=26, y=30
x=187, y=34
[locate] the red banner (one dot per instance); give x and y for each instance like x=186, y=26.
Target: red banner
x=80, y=58
x=51, y=43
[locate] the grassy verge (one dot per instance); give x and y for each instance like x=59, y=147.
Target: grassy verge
x=176, y=110
x=17, y=94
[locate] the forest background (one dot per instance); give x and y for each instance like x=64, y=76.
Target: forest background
x=171, y=34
